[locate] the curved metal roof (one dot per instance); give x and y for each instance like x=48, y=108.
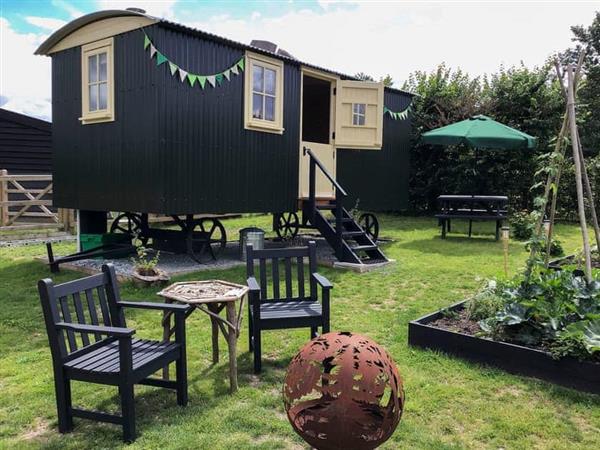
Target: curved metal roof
x=74, y=25
x=82, y=21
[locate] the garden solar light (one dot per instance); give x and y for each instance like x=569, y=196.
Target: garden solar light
x=505, y=231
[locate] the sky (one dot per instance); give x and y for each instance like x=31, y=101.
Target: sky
x=374, y=37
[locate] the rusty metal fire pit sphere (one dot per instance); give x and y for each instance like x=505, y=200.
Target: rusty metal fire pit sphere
x=343, y=391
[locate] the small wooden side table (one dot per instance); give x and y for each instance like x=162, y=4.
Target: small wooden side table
x=211, y=297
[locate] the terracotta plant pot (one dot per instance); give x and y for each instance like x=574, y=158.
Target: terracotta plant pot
x=158, y=279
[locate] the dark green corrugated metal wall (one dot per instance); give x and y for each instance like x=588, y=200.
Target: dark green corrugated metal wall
x=172, y=149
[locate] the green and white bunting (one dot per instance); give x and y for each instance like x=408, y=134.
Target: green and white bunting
x=400, y=115
x=213, y=80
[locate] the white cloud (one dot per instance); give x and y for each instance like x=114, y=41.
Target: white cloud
x=399, y=38
x=68, y=7
x=47, y=23
x=164, y=8
x=325, y=4
x=375, y=37
x=24, y=78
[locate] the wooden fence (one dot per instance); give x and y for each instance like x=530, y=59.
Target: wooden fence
x=26, y=202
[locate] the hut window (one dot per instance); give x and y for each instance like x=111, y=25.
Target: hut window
x=358, y=114
x=264, y=94
x=97, y=82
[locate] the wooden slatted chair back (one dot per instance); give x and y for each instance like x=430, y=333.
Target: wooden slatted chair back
x=284, y=274
x=91, y=301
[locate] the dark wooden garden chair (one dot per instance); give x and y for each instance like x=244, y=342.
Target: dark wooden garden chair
x=298, y=306
x=90, y=341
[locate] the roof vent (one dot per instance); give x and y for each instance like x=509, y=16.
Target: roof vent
x=282, y=52
x=270, y=47
x=264, y=45
x=137, y=10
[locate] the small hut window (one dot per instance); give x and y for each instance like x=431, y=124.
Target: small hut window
x=264, y=94
x=358, y=114
x=97, y=82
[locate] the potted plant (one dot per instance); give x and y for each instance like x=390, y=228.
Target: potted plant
x=145, y=270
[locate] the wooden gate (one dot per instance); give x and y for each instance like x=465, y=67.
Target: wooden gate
x=26, y=202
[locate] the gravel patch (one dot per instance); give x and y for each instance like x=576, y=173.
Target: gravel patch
x=174, y=264
x=35, y=241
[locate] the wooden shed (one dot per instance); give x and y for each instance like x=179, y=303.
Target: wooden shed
x=25, y=144
x=152, y=116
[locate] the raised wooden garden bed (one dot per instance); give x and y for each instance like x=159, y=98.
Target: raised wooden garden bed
x=572, y=260
x=569, y=372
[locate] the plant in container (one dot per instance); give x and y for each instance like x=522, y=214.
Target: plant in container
x=145, y=270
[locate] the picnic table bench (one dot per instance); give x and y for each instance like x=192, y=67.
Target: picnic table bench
x=471, y=208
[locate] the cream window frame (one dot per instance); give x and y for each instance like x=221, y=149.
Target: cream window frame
x=103, y=115
x=250, y=122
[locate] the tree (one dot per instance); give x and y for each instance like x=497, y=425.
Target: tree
x=387, y=81
x=588, y=39
x=364, y=76
x=527, y=99
x=531, y=101
x=443, y=97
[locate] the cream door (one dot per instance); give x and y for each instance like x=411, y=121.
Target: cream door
x=359, y=115
x=326, y=154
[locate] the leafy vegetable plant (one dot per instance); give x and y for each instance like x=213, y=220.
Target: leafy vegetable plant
x=555, y=310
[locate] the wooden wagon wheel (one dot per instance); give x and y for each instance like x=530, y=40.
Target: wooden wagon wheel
x=287, y=225
x=132, y=226
x=206, y=237
x=370, y=225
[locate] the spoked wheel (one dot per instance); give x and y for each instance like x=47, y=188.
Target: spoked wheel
x=206, y=239
x=286, y=225
x=131, y=224
x=370, y=225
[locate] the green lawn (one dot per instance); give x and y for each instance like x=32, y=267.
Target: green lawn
x=450, y=403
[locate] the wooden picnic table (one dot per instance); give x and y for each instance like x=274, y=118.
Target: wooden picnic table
x=472, y=208
x=211, y=297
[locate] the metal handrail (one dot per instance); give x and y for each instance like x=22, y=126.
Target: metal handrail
x=340, y=193
x=324, y=170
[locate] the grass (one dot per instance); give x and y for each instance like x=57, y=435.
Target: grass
x=450, y=403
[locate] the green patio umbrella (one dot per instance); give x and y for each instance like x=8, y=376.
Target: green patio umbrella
x=480, y=132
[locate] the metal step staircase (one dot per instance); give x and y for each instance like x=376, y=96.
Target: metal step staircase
x=336, y=224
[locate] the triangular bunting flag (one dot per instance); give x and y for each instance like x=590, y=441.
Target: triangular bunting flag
x=160, y=58
x=214, y=80
x=400, y=115
x=182, y=74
